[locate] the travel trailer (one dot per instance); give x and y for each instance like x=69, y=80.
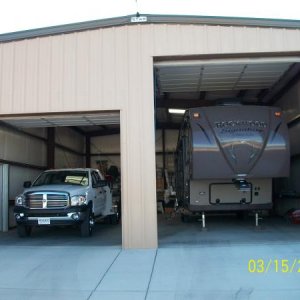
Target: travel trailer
x=227, y=156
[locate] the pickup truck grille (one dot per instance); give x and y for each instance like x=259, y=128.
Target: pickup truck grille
x=45, y=200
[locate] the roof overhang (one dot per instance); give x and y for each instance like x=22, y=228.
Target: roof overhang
x=148, y=19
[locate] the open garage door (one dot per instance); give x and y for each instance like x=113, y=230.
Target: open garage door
x=188, y=83
x=34, y=143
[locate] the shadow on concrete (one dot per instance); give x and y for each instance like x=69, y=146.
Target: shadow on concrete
x=103, y=235
x=225, y=230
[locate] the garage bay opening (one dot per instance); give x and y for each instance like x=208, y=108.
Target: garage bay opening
x=60, y=178
x=225, y=136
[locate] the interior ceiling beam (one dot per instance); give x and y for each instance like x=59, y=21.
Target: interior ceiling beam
x=285, y=88
x=261, y=95
x=22, y=165
x=291, y=76
x=182, y=103
x=25, y=133
x=103, y=132
x=77, y=129
x=18, y=130
x=118, y=153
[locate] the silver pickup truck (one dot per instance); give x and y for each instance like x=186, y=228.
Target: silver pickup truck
x=64, y=197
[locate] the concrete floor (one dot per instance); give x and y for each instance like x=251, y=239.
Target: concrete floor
x=189, y=264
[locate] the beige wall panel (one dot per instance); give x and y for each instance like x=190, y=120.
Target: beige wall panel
x=121, y=68
x=112, y=69
x=187, y=41
x=31, y=74
x=251, y=40
x=70, y=69
x=82, y=96
x=108, y=83
x=170, y=44
x=159, y=36
x=57, y=80
x=198, y=34
x=44, y=82
x=6, y=80
x=84, y=68
x=137, y=146
x=228, y=39
x=147, y=153
x=95, y=68
x=132, y=177
x=20, y=71
x=292, y=38
x=214, y=39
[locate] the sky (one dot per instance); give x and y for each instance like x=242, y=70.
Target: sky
x=17, y=15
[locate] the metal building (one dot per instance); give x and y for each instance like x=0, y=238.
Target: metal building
x=104, y=69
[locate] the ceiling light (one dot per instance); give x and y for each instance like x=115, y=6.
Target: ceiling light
x=176, y=111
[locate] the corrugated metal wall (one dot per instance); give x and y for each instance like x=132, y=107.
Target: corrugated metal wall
x=20, y=148
x=112, y=69
x=110, y=144
x=96, y=69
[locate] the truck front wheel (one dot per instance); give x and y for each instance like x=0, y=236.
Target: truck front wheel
x=23, y=230
x=86, y=226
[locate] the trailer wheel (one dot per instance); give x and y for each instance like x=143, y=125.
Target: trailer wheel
x=86, y=226
x=24, y=230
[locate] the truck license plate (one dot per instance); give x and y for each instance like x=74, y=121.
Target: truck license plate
x=44, y=221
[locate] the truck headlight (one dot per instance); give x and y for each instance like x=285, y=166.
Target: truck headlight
x=20, y=200
x=78, y=200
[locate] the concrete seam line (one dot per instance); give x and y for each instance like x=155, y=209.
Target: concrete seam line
x=154, y=262
x=101, y=279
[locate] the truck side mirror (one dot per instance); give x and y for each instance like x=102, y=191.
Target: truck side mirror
x=27, y=184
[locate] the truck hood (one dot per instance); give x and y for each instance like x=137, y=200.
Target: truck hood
x=65, y=188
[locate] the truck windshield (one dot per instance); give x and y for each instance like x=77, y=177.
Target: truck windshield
x=63, y=177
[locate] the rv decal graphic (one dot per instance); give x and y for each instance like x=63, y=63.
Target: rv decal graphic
x=241, y=123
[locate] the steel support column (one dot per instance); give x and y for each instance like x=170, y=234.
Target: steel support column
x=164, y=154
x=51, y=148
x=4, y=172
x=88, y=151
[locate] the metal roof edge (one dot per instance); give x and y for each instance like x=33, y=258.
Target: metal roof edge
x=150, y=19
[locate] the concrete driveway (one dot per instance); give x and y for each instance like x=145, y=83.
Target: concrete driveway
x=204, y=265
